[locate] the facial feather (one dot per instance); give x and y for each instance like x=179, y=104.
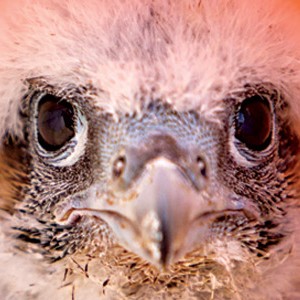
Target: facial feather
x=150, y=82
x=152, y=52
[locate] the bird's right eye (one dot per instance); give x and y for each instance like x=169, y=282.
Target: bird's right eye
x=55, y=122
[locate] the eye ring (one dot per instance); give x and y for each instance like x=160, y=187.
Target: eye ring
x=72, y=124
x=253, y=123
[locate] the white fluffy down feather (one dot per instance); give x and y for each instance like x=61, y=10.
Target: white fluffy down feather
x=193, y=54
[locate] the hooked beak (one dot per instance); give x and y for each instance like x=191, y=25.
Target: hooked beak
x=160, y=214
x=165, y=209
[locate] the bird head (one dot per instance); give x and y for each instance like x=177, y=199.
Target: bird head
x=167, y=138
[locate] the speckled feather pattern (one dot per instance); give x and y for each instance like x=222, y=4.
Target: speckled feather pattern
x=116, y=57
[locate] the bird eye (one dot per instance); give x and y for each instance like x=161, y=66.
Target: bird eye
x=253, y=124
x=55, y=122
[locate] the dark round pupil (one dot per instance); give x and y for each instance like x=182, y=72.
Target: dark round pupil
x=254, y=123
x=55, y=122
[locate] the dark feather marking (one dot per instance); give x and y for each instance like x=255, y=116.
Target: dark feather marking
x=66, y=274
x=73, y=292
x=105, y=283
x=80, y=267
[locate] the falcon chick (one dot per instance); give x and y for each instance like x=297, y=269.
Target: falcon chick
x=149, y=149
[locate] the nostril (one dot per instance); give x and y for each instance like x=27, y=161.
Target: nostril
x=119, y=166
x=201, y=166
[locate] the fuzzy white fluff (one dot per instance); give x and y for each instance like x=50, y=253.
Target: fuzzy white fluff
x=191, y=53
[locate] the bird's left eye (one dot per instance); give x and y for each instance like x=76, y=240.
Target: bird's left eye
x=55, y=123
x=253, y=124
